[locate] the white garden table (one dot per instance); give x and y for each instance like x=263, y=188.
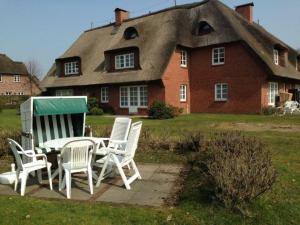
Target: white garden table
x=58, y=144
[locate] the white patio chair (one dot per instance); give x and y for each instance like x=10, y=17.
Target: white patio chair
x=75, y=157
x=123, y=158
x=291, y=107
x=24, y=169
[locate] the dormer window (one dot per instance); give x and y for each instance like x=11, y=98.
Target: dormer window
x=183, y=58
x=280, y=55
x=297, y=63
x=130, y=33
x=124, y=61
x=203, y=28
x=71, y=68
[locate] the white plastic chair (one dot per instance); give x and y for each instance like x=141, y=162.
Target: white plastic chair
x=291, y=107
x=123, y=158
x=75, y=157
x=24, y=169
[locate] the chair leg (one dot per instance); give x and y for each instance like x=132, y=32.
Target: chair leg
x=49, y=177
x=68, y=183
x=136, y=170
x=59, y=177
x=90, y=177
x=23, y=182
x=124, y=178
x=17, y=180
x=102, y=171
x=39, y=175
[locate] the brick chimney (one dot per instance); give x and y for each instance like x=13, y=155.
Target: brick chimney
x=121, y=15
x=246, y=11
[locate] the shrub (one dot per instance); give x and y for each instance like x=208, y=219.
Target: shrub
x=237, y=168
x=92, y=103
x=108, y=109
x=269, y=110
x=161, y=110
x=96, y=111
x=4, y=134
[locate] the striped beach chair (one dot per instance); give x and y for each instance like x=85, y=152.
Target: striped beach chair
x=50, y=118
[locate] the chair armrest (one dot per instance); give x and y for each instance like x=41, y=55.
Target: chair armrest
x=117, y=152
x=42, y=156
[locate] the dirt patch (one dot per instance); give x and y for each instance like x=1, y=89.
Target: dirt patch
x=259, y=127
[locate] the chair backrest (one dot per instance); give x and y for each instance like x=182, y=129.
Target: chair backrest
x=46, y=128
x=120, y=130
x=17, y=151
x=77, y=153
x=133, y=139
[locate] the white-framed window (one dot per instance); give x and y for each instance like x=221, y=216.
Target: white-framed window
x=296, y=65
x=183, y=58
x=221, y=92
x=8, y=93
x=124, y=61
x=272, y=93
x=276, y=56
x=134, y=96
x=71, y=68
x=64, y=92
x=104, y=94
x=182, y=93
x=1, y=78
x=218, y=56
x=17, y=78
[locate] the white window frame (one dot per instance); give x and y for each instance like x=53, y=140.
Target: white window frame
x=141, y=97
x=221, y=98
x=64, y=92
x=183, y=92
x=183, y=58
x=104, y=95
x=124, y=61
x=272, y=93
x=71, y=68
x=17, y=78
x=276, y=56
x=217, y=55
x=1, y=79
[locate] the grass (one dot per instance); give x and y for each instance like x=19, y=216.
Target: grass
x=281, y=205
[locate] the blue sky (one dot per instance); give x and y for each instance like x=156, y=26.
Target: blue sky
x=43, y=30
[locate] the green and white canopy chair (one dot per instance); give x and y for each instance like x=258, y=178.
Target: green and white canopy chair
x=49, y=118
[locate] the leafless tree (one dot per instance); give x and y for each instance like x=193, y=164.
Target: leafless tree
x=34, y=71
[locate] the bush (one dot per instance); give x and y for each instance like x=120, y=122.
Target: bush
x=96, y=111
x=237, y=168
x=269, y=110
x=4, y=134
x=161, y=110
x=92, y=103
x=108, y=109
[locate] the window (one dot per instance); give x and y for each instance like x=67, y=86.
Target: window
x=124, y=61
x=17, y=78
x=272, y=93
x=71, y=68
x=134, y=96
x=182, y=93
x=204, y=28
x=104, y=94
x=1, y=78
x=276, y=56
x=64, y=92
x=130, y=33
x=183, y=58
x=218, y=56
x=221, y=92
x=8, y=93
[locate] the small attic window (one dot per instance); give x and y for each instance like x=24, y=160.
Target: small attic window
x=280, y=55
x=130, y=33
x=204, y=28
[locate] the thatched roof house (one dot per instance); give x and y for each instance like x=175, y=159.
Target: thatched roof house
x=157, y=37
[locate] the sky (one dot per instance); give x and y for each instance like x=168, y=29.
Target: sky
x=43, y=30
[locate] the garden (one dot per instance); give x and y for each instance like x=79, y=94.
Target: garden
x=264, y=148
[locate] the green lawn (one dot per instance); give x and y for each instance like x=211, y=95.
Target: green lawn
x=281, y=205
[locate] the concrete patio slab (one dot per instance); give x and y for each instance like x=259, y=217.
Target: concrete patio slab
x=158, y=184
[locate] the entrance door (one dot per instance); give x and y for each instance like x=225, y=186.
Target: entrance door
x=133, y=100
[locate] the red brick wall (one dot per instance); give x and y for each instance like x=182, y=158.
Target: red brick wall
x=241, y=71
x=173, y=77
x=8, y=85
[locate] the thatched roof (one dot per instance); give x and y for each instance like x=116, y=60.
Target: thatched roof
x=159, y=34
x=8, y=66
